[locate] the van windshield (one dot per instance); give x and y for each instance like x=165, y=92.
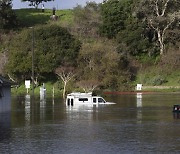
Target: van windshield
x=101, y=100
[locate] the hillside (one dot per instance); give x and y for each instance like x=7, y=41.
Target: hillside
x=148, y=74
x=150, y=71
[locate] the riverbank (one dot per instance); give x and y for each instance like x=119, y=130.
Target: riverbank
x=161, y=88
x=56, y=90
x=51, y=89
x=146, y=90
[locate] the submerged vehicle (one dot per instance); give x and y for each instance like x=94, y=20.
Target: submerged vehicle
x=176, y=108
x=84, y=98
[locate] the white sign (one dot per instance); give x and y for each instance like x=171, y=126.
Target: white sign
x=27, y=84
x=139, y=87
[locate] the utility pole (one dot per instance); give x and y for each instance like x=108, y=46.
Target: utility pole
x=33, y=61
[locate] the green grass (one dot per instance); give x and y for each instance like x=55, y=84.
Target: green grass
x=32, y=17
x=168, y=90
x=21, y=90
x=156, y=76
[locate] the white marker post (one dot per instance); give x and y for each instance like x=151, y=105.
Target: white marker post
x=139, y=87
x=27, y=85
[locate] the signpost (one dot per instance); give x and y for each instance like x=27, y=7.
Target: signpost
x=27, y=85
x=139, y=87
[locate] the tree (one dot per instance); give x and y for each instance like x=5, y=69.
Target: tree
x=66, y=73
x=88, y=85
x=136, y=39
x=114, y=13
x=120, y=22
x=53, y=46
x=87, y=20
x=160, y=15
x=8, y=19
x=35, y=3
x=99, y=61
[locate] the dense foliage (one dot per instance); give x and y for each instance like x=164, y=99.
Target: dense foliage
x=114, y=14
x=162, y=17
x=120, y=22
x=87, y=20
x=141, y=27
x=53, y=46
x=99, y=61
x=134, y=40
x=7, y=16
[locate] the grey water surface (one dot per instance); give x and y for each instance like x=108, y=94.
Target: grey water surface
x=135, y=124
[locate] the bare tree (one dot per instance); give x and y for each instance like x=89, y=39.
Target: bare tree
x=88, y=85
x=3, y=61
x=66, y=73
x=160, y=15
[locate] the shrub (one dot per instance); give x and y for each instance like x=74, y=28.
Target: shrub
x=158, y=80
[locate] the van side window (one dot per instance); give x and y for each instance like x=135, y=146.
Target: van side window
x=94, y=100
x=68, y=101
x=83, y=99
x=100, y=100
x=72, y=102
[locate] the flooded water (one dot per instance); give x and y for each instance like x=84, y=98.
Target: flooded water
x=135, y=124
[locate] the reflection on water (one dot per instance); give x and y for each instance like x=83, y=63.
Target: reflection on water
x=138, y=123
x=139, y=100
x=80, y=107
x=139, y=107
x=5, y=125
x=176, y=115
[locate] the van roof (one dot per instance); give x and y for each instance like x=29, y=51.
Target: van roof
x=78, y=94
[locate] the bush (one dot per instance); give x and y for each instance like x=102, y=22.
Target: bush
x=158, y=80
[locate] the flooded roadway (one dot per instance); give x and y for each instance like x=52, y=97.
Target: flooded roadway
x=135, y=124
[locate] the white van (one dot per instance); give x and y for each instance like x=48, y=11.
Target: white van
x=83, y=98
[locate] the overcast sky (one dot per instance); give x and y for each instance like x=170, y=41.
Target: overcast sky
x=59, y=4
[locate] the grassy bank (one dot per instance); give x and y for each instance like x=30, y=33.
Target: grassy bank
x=21, y=90
x=58, y=91
x=155, y=75
x=161, y=88
x=32, y=17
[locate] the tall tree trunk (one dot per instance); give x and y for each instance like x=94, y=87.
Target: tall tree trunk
x=64, y=90
x=161, y=42
x=161, y=33
x=160, y=8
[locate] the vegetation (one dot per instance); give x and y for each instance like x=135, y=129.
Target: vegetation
x=114, y=14
x=53, y=47
x=7, y=16
x=35, y=3
x=66, y=73
x=110, y=46
x=33, y=17
x=160, y=15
